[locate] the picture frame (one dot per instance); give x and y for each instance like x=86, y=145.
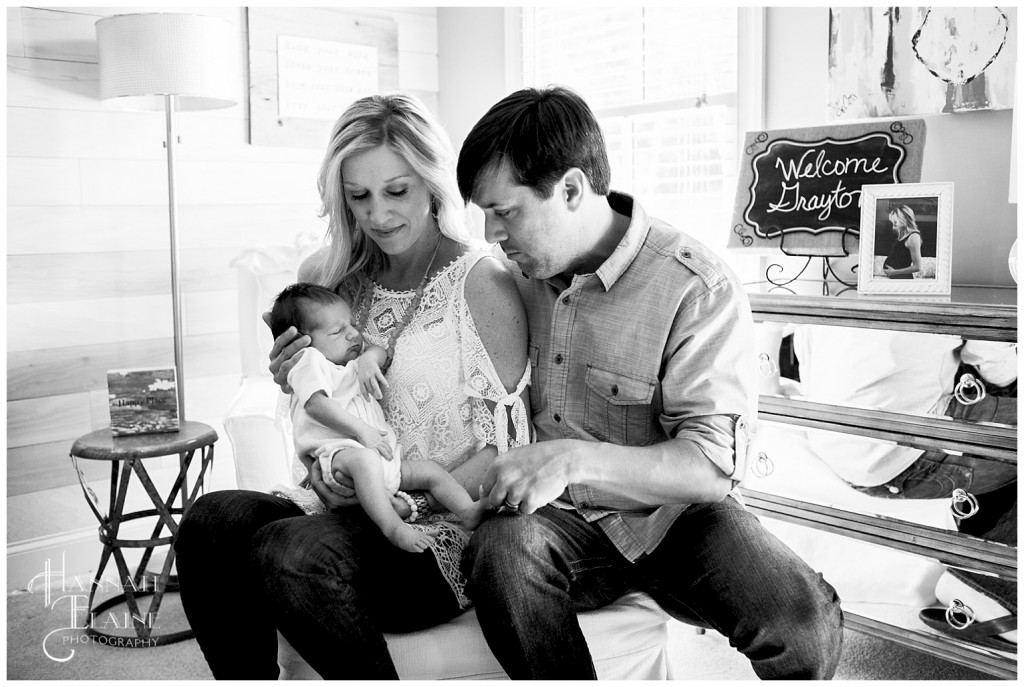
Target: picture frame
x=143, y=401
x=886, y=262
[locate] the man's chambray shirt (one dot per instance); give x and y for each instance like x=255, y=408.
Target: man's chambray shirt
x=657, y=345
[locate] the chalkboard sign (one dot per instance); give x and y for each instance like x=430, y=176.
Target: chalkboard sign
x=799, y=189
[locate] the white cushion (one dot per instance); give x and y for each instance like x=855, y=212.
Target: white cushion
x=627, y=640
x=261, y=452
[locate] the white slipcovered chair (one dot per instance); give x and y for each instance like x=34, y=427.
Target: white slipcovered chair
x=261, y=451
x=627, y=639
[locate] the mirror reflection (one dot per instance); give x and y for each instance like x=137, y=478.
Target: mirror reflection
x=914, y=374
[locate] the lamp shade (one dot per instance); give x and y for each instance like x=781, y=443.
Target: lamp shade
x=144, y=57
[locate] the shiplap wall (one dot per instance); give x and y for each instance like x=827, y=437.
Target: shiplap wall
x=87, y=231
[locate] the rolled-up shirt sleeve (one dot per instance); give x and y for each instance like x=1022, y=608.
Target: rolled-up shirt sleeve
x=709, y=391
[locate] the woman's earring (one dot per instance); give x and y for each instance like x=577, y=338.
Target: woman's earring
x=433, y=208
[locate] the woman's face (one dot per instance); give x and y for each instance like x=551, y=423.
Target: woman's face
x=897, y=223
x=391, y=203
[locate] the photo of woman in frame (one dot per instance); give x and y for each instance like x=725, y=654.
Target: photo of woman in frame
x=906, y=242
x=905, y=233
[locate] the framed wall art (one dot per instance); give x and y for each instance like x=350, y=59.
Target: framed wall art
x=307, y=64
x=905, y=61
x=906, y=242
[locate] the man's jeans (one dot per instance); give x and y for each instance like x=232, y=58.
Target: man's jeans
x=936, y=474
x=717, y=567
x=250, y=564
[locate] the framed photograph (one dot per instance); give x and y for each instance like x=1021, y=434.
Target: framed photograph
x=906, y=241
x=142, y=401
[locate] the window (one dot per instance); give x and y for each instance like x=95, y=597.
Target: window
x=663, y=82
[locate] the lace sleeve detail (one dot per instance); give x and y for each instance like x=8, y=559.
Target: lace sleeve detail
x=483, y=384
x=512, y=406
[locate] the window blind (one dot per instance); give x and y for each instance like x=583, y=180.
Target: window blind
x=662, y=82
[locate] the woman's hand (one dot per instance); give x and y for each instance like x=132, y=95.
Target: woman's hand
x=281, y=353
x=337, y=497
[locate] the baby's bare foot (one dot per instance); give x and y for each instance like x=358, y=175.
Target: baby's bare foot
x=475, y=514
x=409, y=538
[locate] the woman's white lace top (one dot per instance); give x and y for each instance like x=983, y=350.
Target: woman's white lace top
x=440, y=378
x=441, y=374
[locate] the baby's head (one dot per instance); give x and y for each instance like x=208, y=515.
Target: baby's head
x=322, y=314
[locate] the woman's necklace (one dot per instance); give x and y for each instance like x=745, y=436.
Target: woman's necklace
x=366, y=301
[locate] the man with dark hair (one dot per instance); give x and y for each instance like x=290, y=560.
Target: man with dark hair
x=643, y=394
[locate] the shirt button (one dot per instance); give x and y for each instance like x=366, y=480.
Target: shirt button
x=615, y=389
x=558, y=418
x=565, y=300
x=584, y=504
x=559, y=359
x=687, y=254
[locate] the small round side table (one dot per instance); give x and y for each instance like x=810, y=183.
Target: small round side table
x=126, y=455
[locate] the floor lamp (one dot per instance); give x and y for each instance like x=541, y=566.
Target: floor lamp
x=169, y=62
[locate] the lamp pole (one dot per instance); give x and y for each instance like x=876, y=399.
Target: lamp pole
x=174, y=61
x=179, y=358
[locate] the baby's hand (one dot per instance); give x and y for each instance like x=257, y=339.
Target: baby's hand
x=371, y=379
x=377, y=440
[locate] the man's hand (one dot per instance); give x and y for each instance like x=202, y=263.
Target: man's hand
x=342, y=495
x=281, y=353
x=530, y=476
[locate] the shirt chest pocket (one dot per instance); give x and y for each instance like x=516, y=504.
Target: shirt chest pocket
x=618, y=408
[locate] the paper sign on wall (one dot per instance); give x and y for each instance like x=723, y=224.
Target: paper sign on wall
x=319, y=79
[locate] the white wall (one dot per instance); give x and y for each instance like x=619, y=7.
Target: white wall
x=471, y=65
x=88, y=260
x=471, y=73
x=970, y=149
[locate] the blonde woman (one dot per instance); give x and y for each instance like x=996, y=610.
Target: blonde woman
x=904, y=257
x=454, y=328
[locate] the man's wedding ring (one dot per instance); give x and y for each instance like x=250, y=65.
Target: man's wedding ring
x=511, y=506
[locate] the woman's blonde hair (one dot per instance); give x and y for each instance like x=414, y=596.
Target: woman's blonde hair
x=907, y=220
x=407, y=128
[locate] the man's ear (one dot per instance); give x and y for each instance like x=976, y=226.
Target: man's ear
x=574, y=183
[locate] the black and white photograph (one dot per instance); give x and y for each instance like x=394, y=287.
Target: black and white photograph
x=906, y=239
x=533, y=342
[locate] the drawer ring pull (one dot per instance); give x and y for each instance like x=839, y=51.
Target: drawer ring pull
x=766, y=365
x=763, y=466
x=969, y=390
x=958, y=615
x=959, y=498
